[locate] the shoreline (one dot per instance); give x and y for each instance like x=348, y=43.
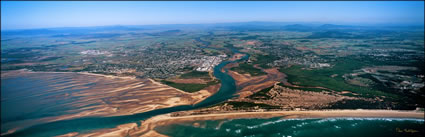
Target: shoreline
x=148, y=126
x=328, y=113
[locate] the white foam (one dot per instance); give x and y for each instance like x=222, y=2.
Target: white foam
x=302, y=124
x=272, y=122
x=368, y=119
x=332, y=120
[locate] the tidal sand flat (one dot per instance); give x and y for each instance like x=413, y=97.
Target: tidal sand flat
x=248, y=84
x=31, y=98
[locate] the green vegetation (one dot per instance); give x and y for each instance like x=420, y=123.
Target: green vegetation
x=322, y=77
x=304, y=89
x=263, y=60
x=195, y=74
x=211, y=52
x=357, y=104
x=334, y=34
x=362, y=104
x=249, y=38
x=189, y=87
x=244, y=68
x=262, y=94
x=376, y=83
x=242, y=105
x=246, y=105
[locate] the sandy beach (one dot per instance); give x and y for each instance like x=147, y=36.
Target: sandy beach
x=167, y=119
x=147, y=127
x=151, y=123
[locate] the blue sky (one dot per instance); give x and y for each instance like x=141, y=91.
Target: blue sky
x=47, y=14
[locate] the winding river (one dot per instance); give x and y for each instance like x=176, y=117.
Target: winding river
x=226, y=91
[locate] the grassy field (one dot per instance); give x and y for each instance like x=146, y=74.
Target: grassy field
x=322, y=77
x=244, y=68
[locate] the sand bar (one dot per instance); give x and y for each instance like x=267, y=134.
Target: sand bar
x=147, y=127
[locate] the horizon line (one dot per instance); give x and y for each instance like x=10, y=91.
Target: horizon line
x=217, y=23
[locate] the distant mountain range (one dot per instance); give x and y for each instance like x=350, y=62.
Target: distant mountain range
x=242, y=26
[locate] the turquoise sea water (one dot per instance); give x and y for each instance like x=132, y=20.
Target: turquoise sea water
x=276, y=127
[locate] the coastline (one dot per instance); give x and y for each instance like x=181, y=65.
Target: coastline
x=147, y=128
x=161, y=120
x=360, y=113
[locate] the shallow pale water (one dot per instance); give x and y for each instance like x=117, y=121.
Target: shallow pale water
x=276, y=127
x=87, y=124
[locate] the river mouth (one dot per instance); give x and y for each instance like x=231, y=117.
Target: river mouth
x=87, y=124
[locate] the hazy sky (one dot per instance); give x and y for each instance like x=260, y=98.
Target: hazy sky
x=22, y=15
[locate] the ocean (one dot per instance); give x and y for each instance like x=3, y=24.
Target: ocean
x=314, y=127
